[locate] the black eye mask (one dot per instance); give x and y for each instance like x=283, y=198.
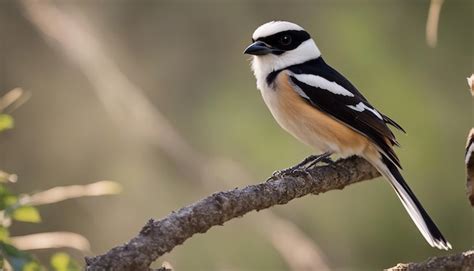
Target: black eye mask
x=286, y=40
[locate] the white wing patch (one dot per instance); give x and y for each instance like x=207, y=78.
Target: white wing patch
x=362, y=106
x=323, y=83
x=300, y=92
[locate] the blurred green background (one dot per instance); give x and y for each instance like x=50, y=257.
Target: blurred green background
x=187, y=57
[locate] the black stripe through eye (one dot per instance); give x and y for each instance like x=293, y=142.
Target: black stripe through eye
x=286, y=40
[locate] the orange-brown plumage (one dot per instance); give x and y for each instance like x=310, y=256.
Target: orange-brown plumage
x=310, y=125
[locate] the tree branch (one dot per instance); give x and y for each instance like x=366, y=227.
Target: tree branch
x=160, y=236
x=463, y=261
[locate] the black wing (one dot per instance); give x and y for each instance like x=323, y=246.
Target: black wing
x=345, y=104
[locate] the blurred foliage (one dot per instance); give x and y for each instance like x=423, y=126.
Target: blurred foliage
x=15, y=206
x=6, y=122
x=187, y=57
x=63, y=262
x=18, y=260
x=11, y=209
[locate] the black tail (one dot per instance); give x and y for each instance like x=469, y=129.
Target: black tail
x=425, y=224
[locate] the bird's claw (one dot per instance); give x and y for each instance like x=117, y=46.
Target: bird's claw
x=303, y=166
x=315, y=159
x=289, y=171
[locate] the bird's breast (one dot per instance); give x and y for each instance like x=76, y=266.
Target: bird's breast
x=308, y=124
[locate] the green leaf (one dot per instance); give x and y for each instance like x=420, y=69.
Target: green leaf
x=5, y=197
x=4, y=234
x=13, y=209
x=62, y=262
x=10, y=200
x=26, y=214
x=6, y=122
x=32, y=266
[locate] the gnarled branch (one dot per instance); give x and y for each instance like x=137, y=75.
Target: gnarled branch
x=160, y=236
x=463, y=261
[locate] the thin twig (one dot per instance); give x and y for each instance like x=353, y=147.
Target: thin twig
x=432, y=22
x=13, y=99
x=60, y=193
x=48, y=240
x=160, y=236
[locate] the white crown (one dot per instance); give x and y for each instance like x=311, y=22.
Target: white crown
x=274, y=27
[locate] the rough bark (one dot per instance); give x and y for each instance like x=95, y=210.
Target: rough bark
x=160, y=236
x=463, y=261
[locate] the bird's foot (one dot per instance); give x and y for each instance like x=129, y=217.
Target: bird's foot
x=324, y=158
x=307, y=163
x=288, y=171
x=312, y=160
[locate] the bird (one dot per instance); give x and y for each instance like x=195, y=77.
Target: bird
x=321, y=108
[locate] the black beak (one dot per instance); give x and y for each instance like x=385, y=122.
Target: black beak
x=259, y=48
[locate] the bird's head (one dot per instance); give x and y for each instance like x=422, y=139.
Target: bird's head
x=279, y=44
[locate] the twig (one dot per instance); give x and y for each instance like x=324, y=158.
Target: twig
x=463, y=261
x=160, y=236
x=432, y=22
x=60, y=193
x=299, y=252
x=13, y=99
x=52, y=240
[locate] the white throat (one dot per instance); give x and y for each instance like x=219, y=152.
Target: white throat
x=262, y=66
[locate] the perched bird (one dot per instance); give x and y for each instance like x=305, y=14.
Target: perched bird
x=320, y=107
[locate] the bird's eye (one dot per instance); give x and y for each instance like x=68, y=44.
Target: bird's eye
x=285, y=40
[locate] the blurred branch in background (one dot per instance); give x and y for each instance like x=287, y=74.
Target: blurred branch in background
x=463, y=261
x=61, y=193
x=13, y=99
x=20, y=208
x=48, y=240
x=432, y=22
x=126, y=103
x=14, y=207
x=160, y=236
